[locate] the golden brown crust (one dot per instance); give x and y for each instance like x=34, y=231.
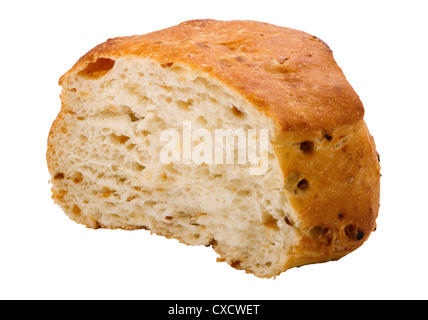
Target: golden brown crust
x=332, y=180
x=288, y=74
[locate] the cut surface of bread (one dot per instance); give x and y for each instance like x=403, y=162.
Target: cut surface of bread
x=311, y=196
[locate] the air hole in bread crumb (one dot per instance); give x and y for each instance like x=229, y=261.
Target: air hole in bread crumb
x=122, y=139
x=83, y=138
x=287, y=221
x=237, y=112
x=97, y=69
x=130, y=198
x=138, y=167
x=245, y=193
x=131, y=146
x=76, y=210
x=59, y=176
x=235, y=263
x=201, y=121
x=269, y=221
x=150, y=203
x=105, y=193
x=185, y=105
x=133, y=117
x=77, y=177
x=111, y=205
x=167, y=65
x=59, y=195
x=144, y=133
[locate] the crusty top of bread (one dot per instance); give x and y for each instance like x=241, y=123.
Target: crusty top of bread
x=289, y=74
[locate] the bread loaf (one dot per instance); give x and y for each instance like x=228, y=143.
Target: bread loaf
x=137, y=144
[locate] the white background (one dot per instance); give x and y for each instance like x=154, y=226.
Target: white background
x=380, y=45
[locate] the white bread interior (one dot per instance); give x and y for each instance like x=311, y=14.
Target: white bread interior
x=107, y=172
